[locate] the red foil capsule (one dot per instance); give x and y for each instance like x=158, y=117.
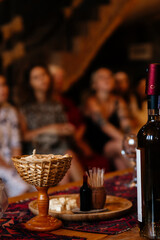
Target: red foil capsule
x=153, y=82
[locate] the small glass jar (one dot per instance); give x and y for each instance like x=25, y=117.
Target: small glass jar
x=98, y=197
x=3, y=198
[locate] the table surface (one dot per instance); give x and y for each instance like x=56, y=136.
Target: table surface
x=129, y=235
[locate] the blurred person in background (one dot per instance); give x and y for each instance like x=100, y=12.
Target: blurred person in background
x=122, y=86
x=139, y=105
x=10, y=143
x=43, y=122
x=107, y=118
x=73, y=114
x=124, y=90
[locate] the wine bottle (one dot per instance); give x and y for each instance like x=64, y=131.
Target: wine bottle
x=148, y=160
x=85, y=195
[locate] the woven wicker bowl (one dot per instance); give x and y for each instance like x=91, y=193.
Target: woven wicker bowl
x=42, y=172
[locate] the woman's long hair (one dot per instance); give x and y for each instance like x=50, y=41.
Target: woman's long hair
x=24, y=92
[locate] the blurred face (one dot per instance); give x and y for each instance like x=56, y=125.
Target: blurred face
x=39, y=79
x=58, y=78
x=141, y=87
x=104, y=81
x=122, y=82
x=3, y=90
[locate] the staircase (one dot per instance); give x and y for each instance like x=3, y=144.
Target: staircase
x=71, y=38
x=93, y=33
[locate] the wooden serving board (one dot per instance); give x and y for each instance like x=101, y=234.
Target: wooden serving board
x=116, y=206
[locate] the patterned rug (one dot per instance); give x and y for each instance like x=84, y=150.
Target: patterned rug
x=11, y=225
x=18, y=213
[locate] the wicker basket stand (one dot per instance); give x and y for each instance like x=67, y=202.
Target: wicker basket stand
x=42, y=172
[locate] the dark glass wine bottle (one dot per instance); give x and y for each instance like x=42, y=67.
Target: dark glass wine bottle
x=85, y=195
x=148, y=160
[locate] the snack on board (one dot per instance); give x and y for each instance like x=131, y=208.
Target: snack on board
x=62, y=204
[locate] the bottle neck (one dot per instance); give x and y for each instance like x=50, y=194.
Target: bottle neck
x=85, y=183
x=153, y=108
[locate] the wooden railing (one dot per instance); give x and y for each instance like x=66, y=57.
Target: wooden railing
x=112, y=17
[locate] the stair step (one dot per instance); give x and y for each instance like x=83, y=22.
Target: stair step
x=70, y=9
x=61, y=57
x=81, y=28
x=86, y=12
x=93, y=27
x=79, y=44
x=104, y=12
x=107, y=11
x=67, y=60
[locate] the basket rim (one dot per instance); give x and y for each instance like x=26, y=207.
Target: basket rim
x=22, y=158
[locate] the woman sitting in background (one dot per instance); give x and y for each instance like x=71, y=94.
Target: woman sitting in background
x=134, y=101
x=43, y=121
x=71, y=110
x=10, y=144
x=139, y=105
x=106, y=118
x=123, y=87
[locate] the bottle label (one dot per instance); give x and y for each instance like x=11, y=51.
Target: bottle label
x=139, y=186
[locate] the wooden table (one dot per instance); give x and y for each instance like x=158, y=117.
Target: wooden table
x=133, y=234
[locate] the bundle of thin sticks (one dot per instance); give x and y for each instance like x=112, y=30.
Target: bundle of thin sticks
x=95, y=177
